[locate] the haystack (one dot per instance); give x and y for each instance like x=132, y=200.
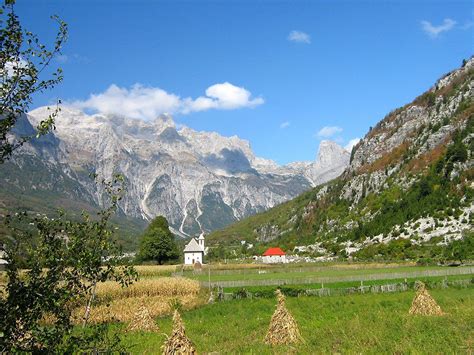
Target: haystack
x=178, y=342
x=283, y=328
x=142, y=320
x=423, y=304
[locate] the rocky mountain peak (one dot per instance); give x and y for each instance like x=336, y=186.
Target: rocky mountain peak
x=331, y=153
x=331, y=161
x=199, y=180
x=449, y=77
x=212, y=143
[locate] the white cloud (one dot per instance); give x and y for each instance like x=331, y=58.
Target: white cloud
x=149, y=102
x=433, y=31
x=467, y=25
x=228, y=97
x=299, y=37
x=285, y=124
x=351, y=144
x=136, y=102
x=71, y=58
x=15, y=68
x=61, y=58
x=329, y=131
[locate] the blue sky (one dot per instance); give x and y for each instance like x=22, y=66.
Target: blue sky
x=273, y=72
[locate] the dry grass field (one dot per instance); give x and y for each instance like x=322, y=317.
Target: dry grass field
x=159, y=296
x=166, y=270
x=156, y=270
x=163, y=286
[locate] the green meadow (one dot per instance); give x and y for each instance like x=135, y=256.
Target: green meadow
x=368, y=323
x=295, y=273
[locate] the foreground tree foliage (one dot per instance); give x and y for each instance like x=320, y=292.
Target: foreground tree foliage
x=66, y=262
x=23, y=61
x=158, y=243
x=65, y=258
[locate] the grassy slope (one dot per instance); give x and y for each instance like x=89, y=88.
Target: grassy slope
x=358, y=323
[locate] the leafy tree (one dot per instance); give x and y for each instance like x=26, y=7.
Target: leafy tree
x=64, y=267
x=217, y=253
x=424, y=188
x=66, y=259
x=23, y=60
x=157, y=242
x=462, y=249
x=244, y=251
x=456, y=152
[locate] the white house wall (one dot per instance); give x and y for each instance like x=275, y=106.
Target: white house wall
x=274, y=259
x=189, y=257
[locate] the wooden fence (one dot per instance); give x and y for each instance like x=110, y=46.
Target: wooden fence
x=273, y=269
x=449, y=271
x=325, y=292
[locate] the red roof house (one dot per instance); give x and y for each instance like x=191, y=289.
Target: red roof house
x=274, y=251
x=274, y=255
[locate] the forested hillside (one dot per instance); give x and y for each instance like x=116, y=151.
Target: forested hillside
x=408, y=193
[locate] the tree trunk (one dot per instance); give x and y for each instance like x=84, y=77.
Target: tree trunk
x=89, y=304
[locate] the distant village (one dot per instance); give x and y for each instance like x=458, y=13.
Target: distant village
x=195, y=251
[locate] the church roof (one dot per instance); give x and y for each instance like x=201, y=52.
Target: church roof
x=193, y=247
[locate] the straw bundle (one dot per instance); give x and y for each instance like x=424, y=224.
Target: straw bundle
x=423, y=304
x=178, y=342
x=142, y=320
x=283, y=328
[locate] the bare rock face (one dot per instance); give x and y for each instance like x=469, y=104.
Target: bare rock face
x=417, y=127
x=331, y=161
x=411, y=133
x=199, y=181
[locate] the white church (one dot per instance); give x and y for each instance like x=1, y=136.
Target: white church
x=194, y=251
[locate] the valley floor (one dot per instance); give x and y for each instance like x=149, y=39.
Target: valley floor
x=368, y=323
x=307, y=274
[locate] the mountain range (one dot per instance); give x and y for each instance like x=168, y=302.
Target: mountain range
x=200, y=181
x=408, y=191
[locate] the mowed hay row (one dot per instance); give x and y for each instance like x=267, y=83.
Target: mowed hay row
x=125, y=309
x=163, y=286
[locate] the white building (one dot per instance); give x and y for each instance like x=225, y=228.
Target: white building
x=274, y=256
x=194, y=251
